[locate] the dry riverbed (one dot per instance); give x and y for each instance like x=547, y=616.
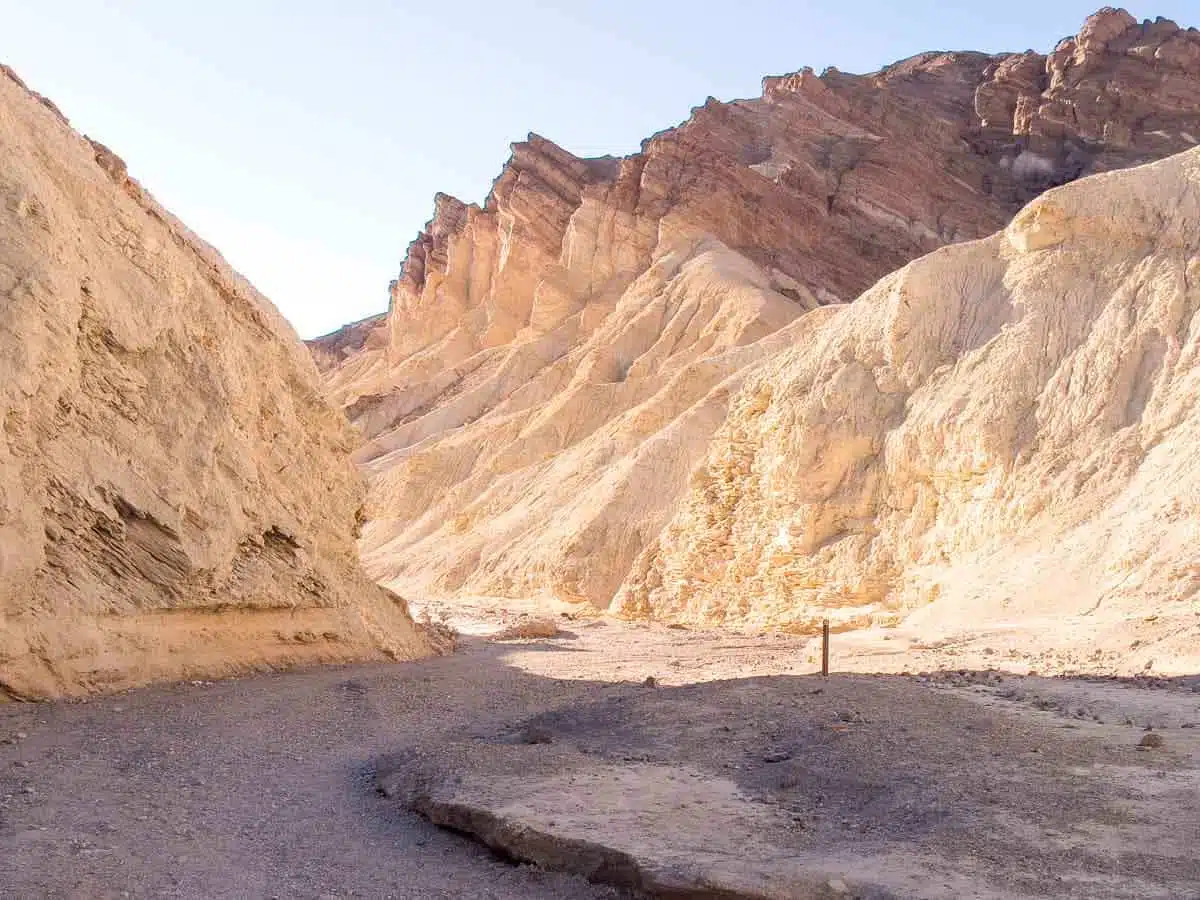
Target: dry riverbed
x=734, y=771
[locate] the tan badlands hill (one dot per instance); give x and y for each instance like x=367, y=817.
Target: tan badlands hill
x=547, y=404
x=1001, y=432
x=176, y=499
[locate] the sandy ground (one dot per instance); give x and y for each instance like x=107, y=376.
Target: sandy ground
x=265, y=786
x=1148, y=648
x=254, y=788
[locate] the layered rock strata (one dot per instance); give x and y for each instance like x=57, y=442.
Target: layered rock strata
x=176, y=498
x=541, y=397
x=997, y=435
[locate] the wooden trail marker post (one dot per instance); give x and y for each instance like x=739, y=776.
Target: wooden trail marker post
x=825, y=647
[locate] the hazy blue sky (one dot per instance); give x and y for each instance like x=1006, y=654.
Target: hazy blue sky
x=306, y=140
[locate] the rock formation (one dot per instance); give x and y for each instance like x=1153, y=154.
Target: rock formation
x=331, y=351
x=999, y=432
x=555, y=363
x=176, y=499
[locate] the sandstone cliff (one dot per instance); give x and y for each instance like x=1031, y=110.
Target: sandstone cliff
x=176, y=499
x=555, y=363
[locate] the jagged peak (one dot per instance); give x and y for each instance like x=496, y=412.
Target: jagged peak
x=1106, y=23
x=560, y=169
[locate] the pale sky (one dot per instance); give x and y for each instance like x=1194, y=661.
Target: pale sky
x=306, y=140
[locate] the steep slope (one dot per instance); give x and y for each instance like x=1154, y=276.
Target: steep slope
x=554, y=364
x=175, y=497
x=1002, y=431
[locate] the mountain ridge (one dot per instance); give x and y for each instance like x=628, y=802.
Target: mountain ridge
x=554, y=362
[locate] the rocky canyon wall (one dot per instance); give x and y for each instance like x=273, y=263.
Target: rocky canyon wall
x=999, y=432
x=176, y=498
x=564, y=372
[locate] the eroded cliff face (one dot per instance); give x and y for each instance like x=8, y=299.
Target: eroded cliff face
x=1001, y=431
x=176, y=499
x=1003, y=419
x=555, y=363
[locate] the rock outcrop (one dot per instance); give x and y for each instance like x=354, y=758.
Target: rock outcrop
x=176, y=498
x=555, y=363
x=1000, y=432
x=331, y=350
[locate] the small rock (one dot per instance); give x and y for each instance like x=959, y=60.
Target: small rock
x=21, y=735
x=1152, y=740
x=536, y=734
x=838, y=886
x=777, y=756
x=650, y=681
x=29, y=789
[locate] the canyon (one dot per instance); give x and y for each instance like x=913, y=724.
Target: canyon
x=912, y=354
x=646, y=385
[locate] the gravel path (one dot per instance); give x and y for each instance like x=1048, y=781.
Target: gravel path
x=255, y=788
x=265, y=786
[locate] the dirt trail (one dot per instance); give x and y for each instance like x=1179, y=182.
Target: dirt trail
x=265, y=786
x=254, y=788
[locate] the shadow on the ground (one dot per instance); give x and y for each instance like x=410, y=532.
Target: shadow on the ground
x=1049, y=786
x=263, y=785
